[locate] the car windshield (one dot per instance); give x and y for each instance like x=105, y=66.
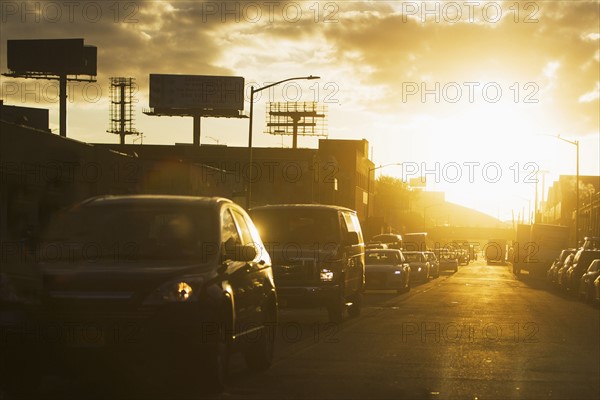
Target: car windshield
x=297, y=225
x=382, y=257
x=125, y=232
x=594, y=266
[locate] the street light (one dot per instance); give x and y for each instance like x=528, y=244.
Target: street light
x=576, y=144
x=369, y=192
x=252, y=91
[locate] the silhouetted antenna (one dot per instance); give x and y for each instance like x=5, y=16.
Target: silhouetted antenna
x=297, y=118
x=121, y=112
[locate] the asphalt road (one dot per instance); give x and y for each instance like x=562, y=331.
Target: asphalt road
x=476, y=334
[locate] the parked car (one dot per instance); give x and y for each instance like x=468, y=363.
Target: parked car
x=435, y=264
x=167, y=285
x=447, y=259
x=420, y=267
x=552, y=274
x=318, y=256
x=387, y=269
x=561, y=273
x=463, y=257
x=581, y=262
x=392, y=240
x=591, y=243
x=586, y=285
x=596, y=297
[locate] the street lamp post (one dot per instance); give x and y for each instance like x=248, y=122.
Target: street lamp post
x=369, y=192
x=576, y=144
x=252, y=91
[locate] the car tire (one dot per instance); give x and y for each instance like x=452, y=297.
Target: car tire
x=217, y=364
x=583, y=296
x=589, y=295
x=407, y=287
x=355, y=308
x=337, y=306
x=259, y=353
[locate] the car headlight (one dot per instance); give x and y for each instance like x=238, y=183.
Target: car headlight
x=326, y=275
x=419, y=270
x=182, y=290
x=397, y=272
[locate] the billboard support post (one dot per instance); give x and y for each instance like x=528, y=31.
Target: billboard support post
x=197, y=118
x=63, y=104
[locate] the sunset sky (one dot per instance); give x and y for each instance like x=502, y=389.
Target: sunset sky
x=477, y=87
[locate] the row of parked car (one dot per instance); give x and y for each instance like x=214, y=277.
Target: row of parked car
x=396, y=269
x=577, y=271
x=389, y=266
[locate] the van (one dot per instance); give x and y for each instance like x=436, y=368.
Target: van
x=189, y=275
x=318, y=256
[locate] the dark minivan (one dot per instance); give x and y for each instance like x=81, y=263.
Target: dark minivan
x=157, y=286
x=318, y=256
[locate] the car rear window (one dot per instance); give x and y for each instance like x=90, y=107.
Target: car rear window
x=413, y=257
x=382, y=257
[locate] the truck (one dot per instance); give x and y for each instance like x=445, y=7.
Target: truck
x=537, y=246
x=416, y=241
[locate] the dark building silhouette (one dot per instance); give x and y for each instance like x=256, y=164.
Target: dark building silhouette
x=560, y=207
x=335, y=173
x=33, y=117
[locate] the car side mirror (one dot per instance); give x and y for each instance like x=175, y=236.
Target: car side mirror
x=351, y=238
x=244, y=253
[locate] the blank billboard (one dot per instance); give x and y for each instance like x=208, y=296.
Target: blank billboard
x=51, y=56
x=196, y=92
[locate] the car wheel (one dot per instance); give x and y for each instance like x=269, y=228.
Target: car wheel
x=259, y=353
x=356, y=306
x=217, y=357
x=407, y=287
x=337, y=306
x=589, y=295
